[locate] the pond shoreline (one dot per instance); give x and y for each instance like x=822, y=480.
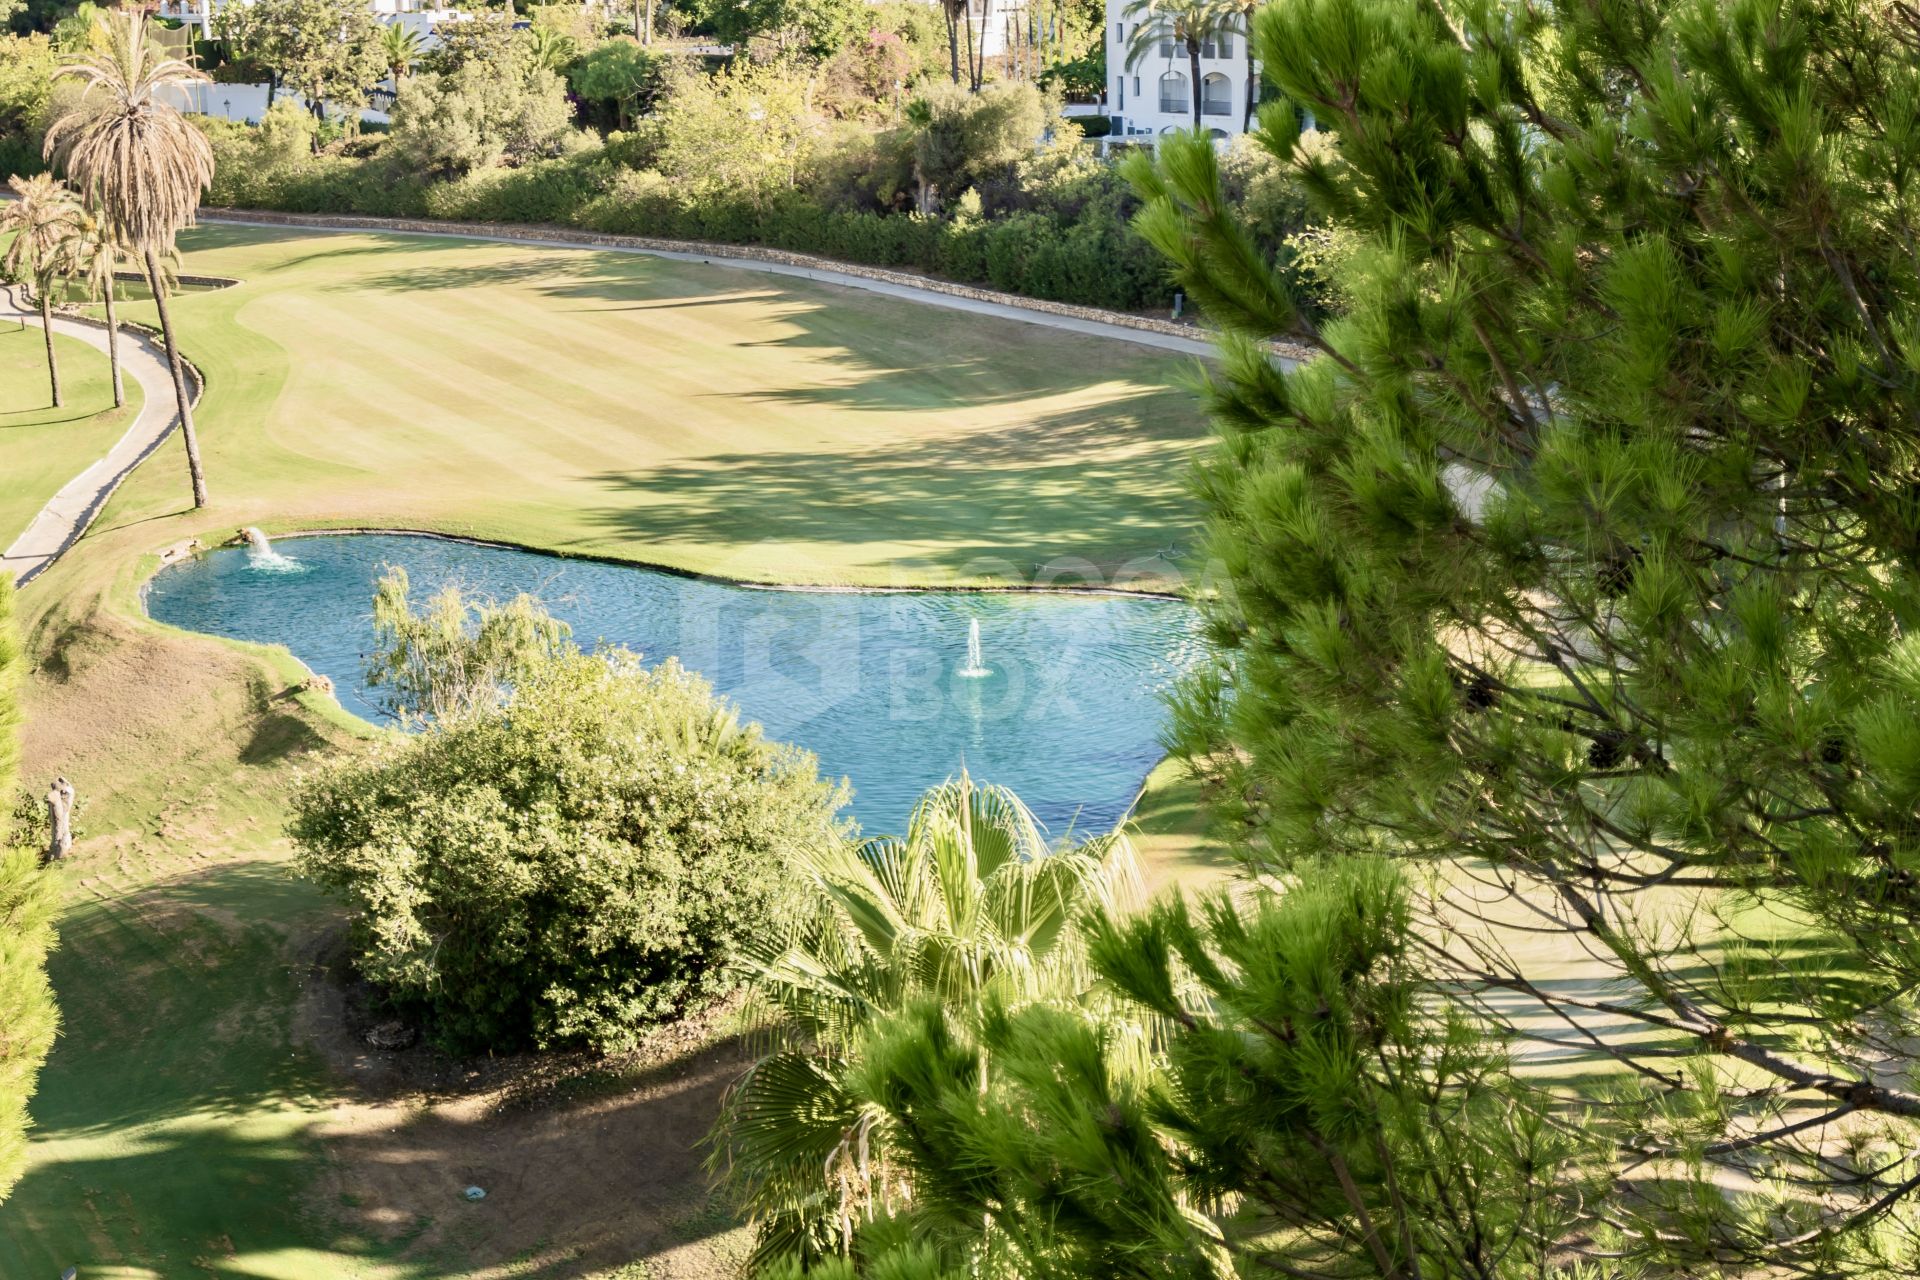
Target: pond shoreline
x=749, y=584
x=1066, y=708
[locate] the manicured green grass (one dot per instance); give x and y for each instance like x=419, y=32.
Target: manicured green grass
x=582, y=402
x=1176, y=842
x=41, y=447
x=693, y=416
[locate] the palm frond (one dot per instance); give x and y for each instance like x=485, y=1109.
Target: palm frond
x=133, y=158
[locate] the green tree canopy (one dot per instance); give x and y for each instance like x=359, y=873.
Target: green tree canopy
x=1586, y=558
x=961, y=140
x=487, y=36
x=325, y=50
x=621, y=72
x=816, y=28
x=479, y=115
x=1305, y=1114
x=28, y=898
x=746, y=129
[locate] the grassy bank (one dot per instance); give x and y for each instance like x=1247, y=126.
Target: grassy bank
x=44, y=447
x=208, y=1111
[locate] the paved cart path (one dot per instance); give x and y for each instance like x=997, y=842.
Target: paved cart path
x=67, y=515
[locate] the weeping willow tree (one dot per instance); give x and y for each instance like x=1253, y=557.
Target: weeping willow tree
x=1584, y=564
x=456, y=654
x=972, y=907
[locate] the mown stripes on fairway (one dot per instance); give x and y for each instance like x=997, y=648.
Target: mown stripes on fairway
x=671, y=412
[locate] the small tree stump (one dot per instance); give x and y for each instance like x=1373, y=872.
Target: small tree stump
x=59, y=819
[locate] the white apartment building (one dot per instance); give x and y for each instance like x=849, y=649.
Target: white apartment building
x=1155, y=94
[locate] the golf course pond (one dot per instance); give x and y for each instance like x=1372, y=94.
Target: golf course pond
x=1055, y=695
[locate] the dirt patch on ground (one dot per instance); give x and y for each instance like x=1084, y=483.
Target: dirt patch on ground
x=591, y=1166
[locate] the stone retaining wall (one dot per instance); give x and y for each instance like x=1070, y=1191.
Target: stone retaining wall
x=751, y=253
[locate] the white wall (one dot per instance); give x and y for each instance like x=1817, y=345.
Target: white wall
x=246, y=102
x=1133, y=93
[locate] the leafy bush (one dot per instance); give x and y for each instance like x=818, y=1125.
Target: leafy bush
x=567, y=868
x=961, y=140
x=746, y=131
x=26, y=96
x=478, y=115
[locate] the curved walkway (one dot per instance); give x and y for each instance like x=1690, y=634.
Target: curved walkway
x=64, y=518
x=1091, y=321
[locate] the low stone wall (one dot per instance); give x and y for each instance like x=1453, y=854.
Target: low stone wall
x=750, y=253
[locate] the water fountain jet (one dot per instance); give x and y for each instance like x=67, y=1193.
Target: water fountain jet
x=261, y=555
x=976, y=667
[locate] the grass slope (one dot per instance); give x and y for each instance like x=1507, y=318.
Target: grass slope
x=42, y=447
x=191, y=1120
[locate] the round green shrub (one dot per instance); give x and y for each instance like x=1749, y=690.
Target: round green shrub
x=567, y=868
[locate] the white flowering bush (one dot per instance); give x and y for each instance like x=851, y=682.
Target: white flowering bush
x=571, y=867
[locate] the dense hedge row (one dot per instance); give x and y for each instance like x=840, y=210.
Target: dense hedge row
x=1093, y=258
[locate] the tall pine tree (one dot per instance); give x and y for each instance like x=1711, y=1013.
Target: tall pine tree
x=1582, y=565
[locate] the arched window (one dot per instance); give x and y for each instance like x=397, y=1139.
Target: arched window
x=1216, y=95
x=1174, y=95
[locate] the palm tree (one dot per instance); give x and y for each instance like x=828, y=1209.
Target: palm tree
x=973, y=905
x=41, y=216
x=400, y=49
x=90, y=254
x=142, y=166
x=551, y=49
x=1188, y=23
x=1238, y=15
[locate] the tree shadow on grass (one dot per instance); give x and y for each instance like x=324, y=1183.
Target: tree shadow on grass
x=1065, y=486
x=185, y=1124
x=277, y=736
x=573, y=1186
x=909, y=355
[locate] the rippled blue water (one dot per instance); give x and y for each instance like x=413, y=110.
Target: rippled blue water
x=1070, y=716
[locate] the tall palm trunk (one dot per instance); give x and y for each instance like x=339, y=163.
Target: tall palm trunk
x=192, y=441
x=1193, y=61
x=953, y=41
x=113, y=349
x=46, y=328
x=648, y=37
x=980, y=63
x=973, y=76
x=1253, y=81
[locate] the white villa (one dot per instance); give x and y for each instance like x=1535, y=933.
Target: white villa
x=248, y=102
x=1155, y=94
x=415, y=14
